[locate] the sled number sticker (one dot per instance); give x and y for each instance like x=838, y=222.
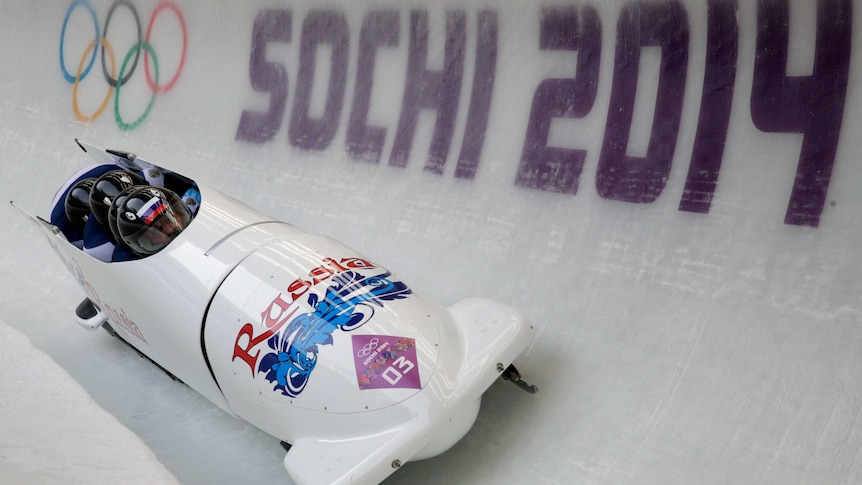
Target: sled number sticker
x=392, y=375
x=385, y=362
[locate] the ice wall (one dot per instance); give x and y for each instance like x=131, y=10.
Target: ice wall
x=669, y=189
x=76, y=442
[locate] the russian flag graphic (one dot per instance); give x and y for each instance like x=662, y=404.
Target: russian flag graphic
x=151, y=210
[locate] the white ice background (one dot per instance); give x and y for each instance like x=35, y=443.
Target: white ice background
x=672, y=347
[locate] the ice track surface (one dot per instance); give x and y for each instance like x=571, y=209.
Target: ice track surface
x=53, y=432
x=706, y=338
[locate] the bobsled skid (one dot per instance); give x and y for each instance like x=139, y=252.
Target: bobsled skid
x=300, y=336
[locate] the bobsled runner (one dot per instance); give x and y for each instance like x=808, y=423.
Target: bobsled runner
x=295, y=333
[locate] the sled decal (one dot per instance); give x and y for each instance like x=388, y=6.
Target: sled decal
x=293, y=337
x=385, y=362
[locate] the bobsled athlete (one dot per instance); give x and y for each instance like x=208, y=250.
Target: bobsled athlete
x=98, y=240
x=84, y=207
x=149, y=218
x=76, y=210
x=70, y=208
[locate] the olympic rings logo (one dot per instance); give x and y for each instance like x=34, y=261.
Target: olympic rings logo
x=116, y=81
x=368, y=348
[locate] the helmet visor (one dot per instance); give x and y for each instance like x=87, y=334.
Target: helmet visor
x=165, y=220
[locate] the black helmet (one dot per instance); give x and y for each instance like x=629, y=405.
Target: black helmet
x=150, y=218
x=107, y=187
x=77, y=203
x=114, y=209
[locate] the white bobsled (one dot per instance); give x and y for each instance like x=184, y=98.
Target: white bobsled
x=302, y=337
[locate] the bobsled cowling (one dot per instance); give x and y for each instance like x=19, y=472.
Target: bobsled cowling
x=305, y=339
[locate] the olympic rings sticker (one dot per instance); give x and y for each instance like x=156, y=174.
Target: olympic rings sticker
x=368, y=348
x=116, y=80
